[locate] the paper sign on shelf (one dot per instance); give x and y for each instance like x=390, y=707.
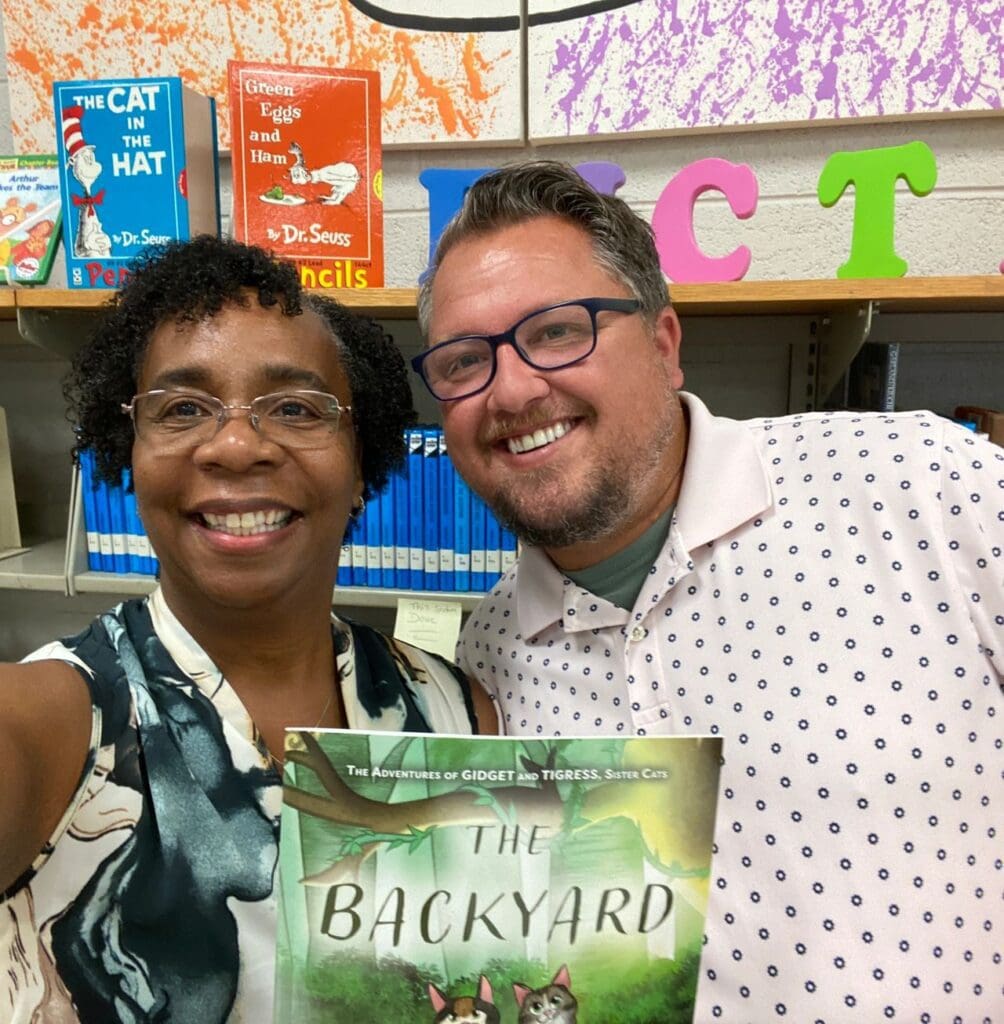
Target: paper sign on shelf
x=432, y=625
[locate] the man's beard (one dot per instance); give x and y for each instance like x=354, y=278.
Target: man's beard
x=596, y=516
x=544, y=514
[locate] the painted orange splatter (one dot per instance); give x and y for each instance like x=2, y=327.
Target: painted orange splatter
x=437, y=86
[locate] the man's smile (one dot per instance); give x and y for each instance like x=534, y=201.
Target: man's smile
x=539, y=438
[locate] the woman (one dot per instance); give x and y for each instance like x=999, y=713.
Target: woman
x=139, y=812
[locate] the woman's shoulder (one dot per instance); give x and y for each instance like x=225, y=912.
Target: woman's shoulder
x=394, y=680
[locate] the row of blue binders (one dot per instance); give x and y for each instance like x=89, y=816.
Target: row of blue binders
x=426, y=530
x=116, y=540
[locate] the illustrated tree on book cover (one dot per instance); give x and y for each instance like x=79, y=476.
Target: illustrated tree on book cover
x=540, y=882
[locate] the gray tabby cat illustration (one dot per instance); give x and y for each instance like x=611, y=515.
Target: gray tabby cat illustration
x=552, y=1004
x=479, y=1009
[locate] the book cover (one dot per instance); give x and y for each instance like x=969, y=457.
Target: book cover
x=307, y=171
x=30, y=217
x=427, y=875
x=137, y=166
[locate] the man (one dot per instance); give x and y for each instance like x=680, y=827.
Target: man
x=824, y=591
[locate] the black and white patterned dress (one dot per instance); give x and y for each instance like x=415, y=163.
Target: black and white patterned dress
x=154, y=899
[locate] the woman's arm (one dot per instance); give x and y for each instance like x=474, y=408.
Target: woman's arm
x=486, y=710
x=45, y=729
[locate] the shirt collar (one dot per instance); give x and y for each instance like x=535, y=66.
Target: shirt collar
x=724, y=485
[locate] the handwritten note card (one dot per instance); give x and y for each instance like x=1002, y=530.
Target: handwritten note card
x=429, y=624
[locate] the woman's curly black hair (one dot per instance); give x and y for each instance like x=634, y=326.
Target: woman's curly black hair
x=185, y=282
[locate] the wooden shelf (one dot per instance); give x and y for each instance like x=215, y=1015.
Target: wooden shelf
x=766, y=298
x=893, y=295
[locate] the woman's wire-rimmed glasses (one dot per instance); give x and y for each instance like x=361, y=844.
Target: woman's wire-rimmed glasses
x=174, y=419
x=547, y=339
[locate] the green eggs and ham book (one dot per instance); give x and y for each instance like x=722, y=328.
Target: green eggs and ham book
x=490, y=879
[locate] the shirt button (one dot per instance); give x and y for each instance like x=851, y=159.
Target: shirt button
x=639, y=633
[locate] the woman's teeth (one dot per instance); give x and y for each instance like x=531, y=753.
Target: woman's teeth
x=246, y=524
x=545, y=435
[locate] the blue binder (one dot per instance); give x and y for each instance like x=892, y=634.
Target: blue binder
x=479, y=517
x=447, y=523
x=461, y=534
x=92, y=523
x=371, y=517
x=493, y=549
x=416, y=531
x=430, y=501
x=402, y=545
x=387, y=536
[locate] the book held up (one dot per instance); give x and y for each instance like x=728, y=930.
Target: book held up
x=138, y=167
x=307, y=175
x=422, y=874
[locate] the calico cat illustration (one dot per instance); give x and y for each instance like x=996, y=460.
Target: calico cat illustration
x=479, y=1009
x=552, y=1004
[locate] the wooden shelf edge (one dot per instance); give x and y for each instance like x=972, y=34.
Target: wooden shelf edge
x=901, y=294
x=62, y=298
x=896, y=294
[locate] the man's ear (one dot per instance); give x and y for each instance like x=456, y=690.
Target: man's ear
x=668, y=335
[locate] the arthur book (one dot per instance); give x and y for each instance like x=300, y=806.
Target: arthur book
x=495, y=879
x=138, y=166
x=307, y=175
x=29, y=217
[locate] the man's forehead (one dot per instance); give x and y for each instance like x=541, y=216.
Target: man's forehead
x=511, y=271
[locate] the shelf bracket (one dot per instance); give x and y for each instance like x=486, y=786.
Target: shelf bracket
x=842, y=335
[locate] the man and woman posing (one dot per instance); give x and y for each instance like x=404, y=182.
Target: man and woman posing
x=823, y=591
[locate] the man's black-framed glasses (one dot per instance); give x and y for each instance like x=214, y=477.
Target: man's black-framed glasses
x=547, y=339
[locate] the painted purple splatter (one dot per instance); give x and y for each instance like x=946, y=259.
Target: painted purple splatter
x=671, y=64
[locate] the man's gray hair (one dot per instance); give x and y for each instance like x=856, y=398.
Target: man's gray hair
x=623, y=243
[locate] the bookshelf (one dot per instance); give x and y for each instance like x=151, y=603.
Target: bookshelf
x=734, y=298
x=786, y=343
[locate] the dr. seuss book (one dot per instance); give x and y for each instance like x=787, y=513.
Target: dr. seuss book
x=508, y=881
x=308, y=183
x=29, y=217
x=138, y=166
